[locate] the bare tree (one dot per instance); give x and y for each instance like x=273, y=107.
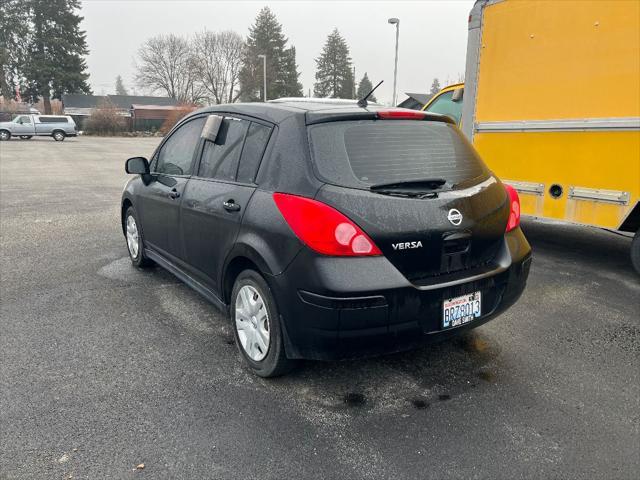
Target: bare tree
x=219, y=60
x=167, y=63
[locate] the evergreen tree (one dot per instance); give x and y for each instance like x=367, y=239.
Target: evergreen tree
x=266, y=38
x=364, y=87
x=334, y=74
x=55, y=63
x=14, y=30
x=120, y=90
x=435, y=86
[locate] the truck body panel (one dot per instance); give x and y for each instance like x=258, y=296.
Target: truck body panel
x=552, y=103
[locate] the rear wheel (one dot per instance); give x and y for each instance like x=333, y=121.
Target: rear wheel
x=256, y=326
x=58, y=135
x=5, y=135
x=635, y=251
x=135, y=242
x=26, y=137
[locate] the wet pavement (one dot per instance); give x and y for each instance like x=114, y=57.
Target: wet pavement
x=104, y=367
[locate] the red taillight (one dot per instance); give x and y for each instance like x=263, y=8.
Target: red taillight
x=514, y=208
x=323, y=228
x=401, y=115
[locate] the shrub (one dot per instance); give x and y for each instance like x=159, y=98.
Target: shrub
x=105, y=120
x=175, y=116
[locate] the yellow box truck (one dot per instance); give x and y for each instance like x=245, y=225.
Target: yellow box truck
x=552, y=103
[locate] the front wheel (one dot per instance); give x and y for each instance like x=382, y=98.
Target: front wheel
x=256, y=325
x=5, y=135
x=635, y=251
x=58, y=136
x=135, y=242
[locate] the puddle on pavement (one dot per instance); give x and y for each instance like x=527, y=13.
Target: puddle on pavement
x=419, y=403
x=487, y=376
x=121, y=270
x=354, y=399
x=335, y=393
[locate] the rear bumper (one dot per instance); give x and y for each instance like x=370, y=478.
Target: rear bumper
x=336, y=308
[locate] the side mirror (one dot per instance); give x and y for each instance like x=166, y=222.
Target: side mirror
x=137, y=166
x=211, y=127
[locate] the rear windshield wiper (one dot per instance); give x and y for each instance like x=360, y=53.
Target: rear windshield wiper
x=415, y=186
x=407, y=193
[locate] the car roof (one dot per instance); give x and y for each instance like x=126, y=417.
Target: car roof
x=314, y=109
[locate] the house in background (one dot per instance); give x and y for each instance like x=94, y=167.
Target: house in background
x=142, y=112
x=415, y=101
x=10, y=108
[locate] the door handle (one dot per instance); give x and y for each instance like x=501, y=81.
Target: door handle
x=174, y=193
x=231, y=206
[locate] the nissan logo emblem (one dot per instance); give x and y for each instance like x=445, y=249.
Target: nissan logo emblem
x=455, y=217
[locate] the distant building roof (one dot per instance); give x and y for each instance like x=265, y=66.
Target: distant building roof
x=75, y=101
x=415, y=101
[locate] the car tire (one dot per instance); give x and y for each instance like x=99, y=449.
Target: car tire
x=58, y=136
x=253, y=312
x=135, y=241
x=25, y=137
x=5, y=135
x=635, y=251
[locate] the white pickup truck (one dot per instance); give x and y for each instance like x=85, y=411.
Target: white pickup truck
x=26, y=126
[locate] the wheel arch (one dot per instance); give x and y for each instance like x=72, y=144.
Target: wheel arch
x=632, y=221
x=242, y=257
x=126, y=203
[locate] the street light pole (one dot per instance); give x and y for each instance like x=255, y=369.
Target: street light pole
x=264, y=75
x=396, y=22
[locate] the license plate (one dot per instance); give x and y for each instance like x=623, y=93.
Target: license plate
x=460, y=310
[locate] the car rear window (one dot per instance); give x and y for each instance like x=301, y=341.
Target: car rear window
x=53, y=120
x=359, y=154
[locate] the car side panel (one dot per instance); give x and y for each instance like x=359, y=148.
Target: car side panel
x=266, y=234
x=209, y=230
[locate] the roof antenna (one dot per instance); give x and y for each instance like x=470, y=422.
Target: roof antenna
x=363, y=101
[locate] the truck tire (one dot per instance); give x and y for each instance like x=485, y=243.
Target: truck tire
x=26, y=137
x=5, y=135
x=635, y=251
x=58, y=135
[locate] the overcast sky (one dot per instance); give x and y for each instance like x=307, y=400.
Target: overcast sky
x=433, y=35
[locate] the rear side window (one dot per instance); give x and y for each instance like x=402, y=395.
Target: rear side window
x=220, y=159
x=359, y=154
x=53, y=120
x=254, y=145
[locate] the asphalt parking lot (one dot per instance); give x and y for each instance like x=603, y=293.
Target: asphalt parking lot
x=104, y=367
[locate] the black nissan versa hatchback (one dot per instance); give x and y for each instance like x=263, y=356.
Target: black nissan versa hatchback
x=326, y=229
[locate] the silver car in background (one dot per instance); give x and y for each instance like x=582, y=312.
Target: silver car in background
x=26, y=126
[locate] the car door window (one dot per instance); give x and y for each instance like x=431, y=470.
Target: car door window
x=254, y=145
x=24, y=119
x=220, y=158
x=445, y=105
x=176, y=154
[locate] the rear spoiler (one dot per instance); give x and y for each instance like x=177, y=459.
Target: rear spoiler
x=338, y=115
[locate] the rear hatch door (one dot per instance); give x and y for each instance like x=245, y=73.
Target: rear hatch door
x=417, y=188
